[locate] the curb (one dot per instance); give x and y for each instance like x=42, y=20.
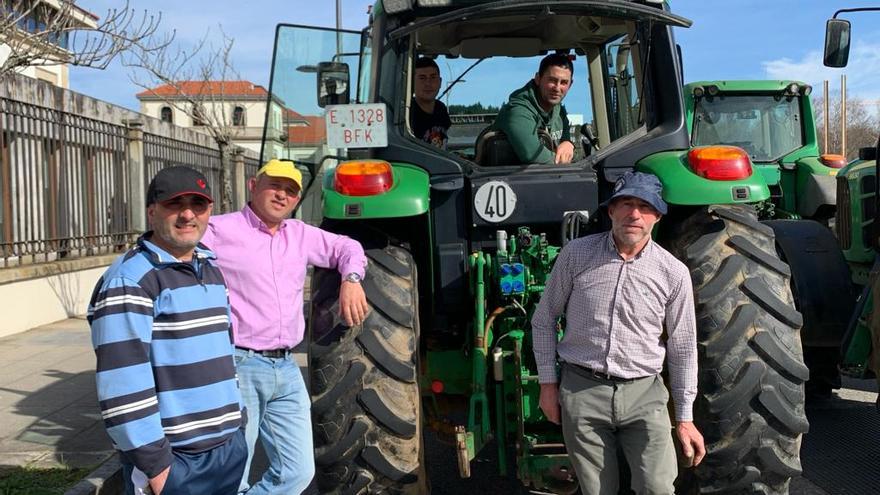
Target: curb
x=105, y=480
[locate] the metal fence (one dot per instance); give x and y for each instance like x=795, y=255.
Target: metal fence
x=66, y=180
x=251, y=165
x=64, y=185
x=161, y=152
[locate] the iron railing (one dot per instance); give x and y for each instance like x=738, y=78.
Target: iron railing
x=64, y=185
x=251, y=165
x=66, y=179
x=161, y=152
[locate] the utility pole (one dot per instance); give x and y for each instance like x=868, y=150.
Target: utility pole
x=825, y=116
x=338, y=27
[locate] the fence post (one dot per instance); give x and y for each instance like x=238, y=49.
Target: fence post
x=137, y=205
x=239, y=177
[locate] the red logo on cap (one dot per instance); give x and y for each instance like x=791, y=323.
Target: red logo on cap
x=201, y=183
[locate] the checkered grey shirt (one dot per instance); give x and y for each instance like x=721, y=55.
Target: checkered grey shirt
x=615, y=314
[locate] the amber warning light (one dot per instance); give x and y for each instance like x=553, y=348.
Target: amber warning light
x=720, y=162
x=833, y=161
x=363, y=177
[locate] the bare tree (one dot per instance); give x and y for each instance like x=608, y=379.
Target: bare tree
x=194, y=81
x=861, y=125
x=54, y=32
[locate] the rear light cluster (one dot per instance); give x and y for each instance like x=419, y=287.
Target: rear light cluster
x=833, y=161
x=363, y=177
x=720, y=162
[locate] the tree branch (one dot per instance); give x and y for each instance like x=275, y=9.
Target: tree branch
x=38, y=33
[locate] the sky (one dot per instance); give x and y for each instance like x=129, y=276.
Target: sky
x=730, y=39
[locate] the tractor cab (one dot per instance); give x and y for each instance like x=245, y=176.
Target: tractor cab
x=623, y=60
x=461, y=239
x=774, y=124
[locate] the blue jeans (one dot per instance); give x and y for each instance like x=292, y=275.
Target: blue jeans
x=279, y=412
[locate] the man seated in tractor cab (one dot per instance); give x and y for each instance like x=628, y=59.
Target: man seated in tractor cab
x=428, y=116
x=537, y=107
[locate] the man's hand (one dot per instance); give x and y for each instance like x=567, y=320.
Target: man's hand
x=564, y=152
x=157, y=484
x=692, y=446
x=549, y=401
x=353, y=307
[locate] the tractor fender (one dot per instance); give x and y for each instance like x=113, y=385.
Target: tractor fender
x=823, y=293
x=820, y=280
x=681, y=186
x=816, y=190
x=408, y=196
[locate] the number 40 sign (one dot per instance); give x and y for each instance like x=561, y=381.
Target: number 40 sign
x=495, y=201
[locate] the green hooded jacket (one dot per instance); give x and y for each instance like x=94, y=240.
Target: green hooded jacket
x=521, y=118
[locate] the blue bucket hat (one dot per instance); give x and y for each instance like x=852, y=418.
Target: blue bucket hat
x=640, y=185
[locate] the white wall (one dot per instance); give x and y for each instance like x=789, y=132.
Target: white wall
x=255, y=111
x=53, y=74
x=36, y=302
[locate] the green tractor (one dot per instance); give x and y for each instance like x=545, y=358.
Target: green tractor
x=460, y=241
x=857, y=227
x=773, y=122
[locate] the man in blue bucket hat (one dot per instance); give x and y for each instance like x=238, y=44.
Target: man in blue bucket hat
x=619, y=292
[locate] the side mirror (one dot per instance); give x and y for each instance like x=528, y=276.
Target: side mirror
x=588, y=139
x=837, y=38
x=333, y=86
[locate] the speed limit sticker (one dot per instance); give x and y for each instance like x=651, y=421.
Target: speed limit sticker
x=495, y=201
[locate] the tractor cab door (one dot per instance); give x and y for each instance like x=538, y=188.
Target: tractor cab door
x=312, y=69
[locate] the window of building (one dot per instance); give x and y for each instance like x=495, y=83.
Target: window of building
x=166, y=115
x=238, y=116
x=198, y=116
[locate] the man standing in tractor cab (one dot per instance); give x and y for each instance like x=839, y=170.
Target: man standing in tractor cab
x=165, y=372
x=538, y=106
x=428, y=116
x=620, y=291
x=264, y=256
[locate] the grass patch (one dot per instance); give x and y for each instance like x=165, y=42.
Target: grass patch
x=38, y=481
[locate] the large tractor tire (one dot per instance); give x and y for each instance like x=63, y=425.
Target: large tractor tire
x=365, y=395
x=750, y=404
x=823, y=293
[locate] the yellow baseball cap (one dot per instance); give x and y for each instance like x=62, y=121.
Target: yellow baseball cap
x=282, y=168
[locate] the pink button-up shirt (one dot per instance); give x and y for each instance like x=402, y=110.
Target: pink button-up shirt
x=266, y=273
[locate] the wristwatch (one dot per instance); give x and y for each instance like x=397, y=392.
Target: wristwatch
x=353, y=278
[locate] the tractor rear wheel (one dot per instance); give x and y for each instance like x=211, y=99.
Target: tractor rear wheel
x=750, y=403
x=365, y=395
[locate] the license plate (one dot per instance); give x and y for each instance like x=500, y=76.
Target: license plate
x=357, y=126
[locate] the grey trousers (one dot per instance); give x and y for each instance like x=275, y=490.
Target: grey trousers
x=600, y=415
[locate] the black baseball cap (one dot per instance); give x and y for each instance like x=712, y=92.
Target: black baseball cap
x=172, y=182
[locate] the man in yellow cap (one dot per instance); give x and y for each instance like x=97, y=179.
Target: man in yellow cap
x=264, y=255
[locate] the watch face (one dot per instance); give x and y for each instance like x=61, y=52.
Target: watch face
x=353, y=277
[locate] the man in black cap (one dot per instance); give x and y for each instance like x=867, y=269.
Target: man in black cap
x=619, y=292
x=162, y=336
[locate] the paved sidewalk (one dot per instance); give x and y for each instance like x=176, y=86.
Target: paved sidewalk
x=48, y=406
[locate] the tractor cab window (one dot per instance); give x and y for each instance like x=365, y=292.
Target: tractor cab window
x=622, y=87
x=478, y=76
x=767, y=127
x=312, y=68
